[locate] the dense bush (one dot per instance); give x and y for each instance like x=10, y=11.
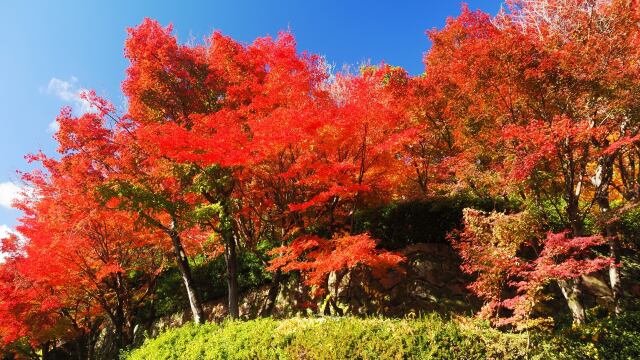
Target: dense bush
x=630, y=225
x=331, y=338
x=428, y=221
x=425, y=338
x=606, y=338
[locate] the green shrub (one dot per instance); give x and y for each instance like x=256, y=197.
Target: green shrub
x=630, y=225
x=333, y=338
x=430, y=337
x=405, y=223
x=608, y=338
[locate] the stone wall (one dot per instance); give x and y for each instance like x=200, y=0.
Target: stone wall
x=431, y=280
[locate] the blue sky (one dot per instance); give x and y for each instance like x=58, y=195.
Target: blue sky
x=53, y=49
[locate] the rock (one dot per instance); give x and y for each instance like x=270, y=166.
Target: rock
x=456, y=288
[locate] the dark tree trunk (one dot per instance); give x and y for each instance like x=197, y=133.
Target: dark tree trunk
x=80, y=346
x=272, y=296
x=120, y=340
x=231, y=259
x=92, y=340
x=187, y=278
x=45, y=351
x=119, y=319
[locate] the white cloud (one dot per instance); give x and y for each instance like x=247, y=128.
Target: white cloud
x=5, y=231
x=69, y=92
x=8, y=193
x=53, y=126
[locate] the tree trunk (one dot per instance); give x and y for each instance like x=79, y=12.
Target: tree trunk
x=120, y=337
x=231, y=260
x=571, y=287
x=573, y=294
x=79, y=345
x=119, y=319
x=614, y=252
x=45, y=351
x=185, y=272
x=614, y=276
x=601, y=180
x=92, y=339
x=272, y=296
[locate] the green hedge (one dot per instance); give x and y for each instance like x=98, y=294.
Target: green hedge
x=375, y=338
x=404, y=223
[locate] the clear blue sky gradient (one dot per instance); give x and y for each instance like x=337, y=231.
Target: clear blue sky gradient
x=42, y=40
